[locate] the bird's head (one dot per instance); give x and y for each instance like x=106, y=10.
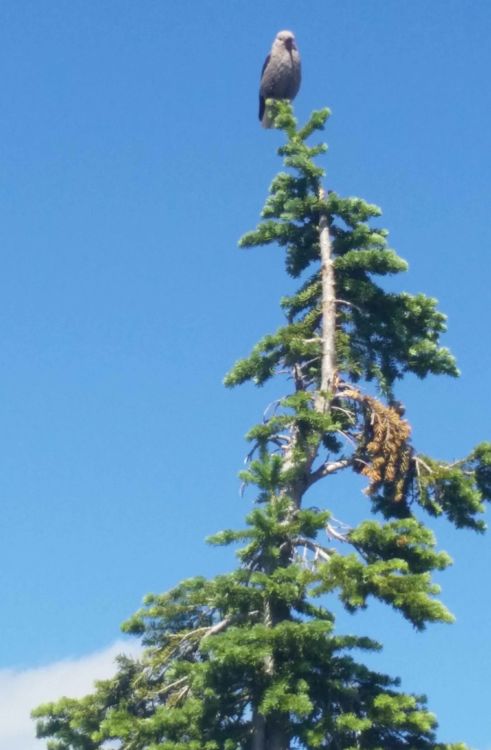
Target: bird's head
x=286, y=39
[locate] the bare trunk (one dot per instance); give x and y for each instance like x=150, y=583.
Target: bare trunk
x=270, y=734
x=328, y=366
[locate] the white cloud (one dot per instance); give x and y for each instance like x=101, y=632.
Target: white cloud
x=23, y=690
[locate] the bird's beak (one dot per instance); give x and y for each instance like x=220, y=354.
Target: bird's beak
x=290, y=44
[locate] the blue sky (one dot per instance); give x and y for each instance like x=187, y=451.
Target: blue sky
x=131, y=163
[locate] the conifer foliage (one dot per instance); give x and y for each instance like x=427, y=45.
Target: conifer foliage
x=251, y=660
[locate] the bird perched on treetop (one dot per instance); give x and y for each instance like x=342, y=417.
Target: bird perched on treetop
x=281, y=73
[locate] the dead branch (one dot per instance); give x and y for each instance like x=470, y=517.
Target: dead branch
x=168, y=688
x=329, y=467
x=317, y=549
x=332, y=532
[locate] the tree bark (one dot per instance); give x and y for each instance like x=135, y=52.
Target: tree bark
x=270, y=734
x=258, y=731
x=328, y=302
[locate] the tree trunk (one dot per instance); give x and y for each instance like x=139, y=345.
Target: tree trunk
x=258, y=731
x=270, y=734
x=328, y=367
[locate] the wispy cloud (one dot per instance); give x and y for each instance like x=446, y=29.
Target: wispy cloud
x=22, y=690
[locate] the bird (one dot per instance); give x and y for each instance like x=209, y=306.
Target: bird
x=281, y=74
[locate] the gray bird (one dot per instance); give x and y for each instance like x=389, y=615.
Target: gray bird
x=281, y=73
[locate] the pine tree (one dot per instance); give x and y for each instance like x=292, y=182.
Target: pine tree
x=251, y=659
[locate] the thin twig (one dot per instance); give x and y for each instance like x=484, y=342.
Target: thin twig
x=347, y=437
x=331, y=531
x=348, y=413
x=423, y=463
x=350, y=304
x=271, y=407
x=174, y=684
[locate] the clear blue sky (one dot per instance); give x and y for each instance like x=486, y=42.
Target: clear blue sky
x=131, y=162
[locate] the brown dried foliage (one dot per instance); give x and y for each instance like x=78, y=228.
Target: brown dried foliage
x=385, y=453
